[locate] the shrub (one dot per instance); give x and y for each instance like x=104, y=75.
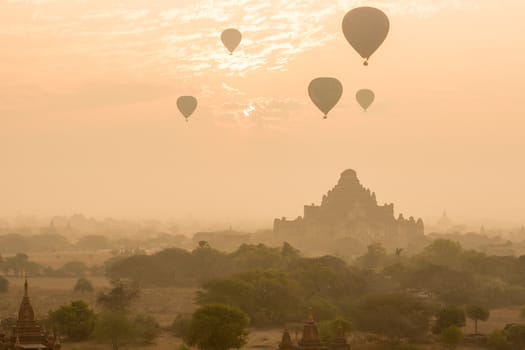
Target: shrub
x=83, y=286
x=4, y=284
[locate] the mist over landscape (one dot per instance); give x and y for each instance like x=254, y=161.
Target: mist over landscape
x=281, y=175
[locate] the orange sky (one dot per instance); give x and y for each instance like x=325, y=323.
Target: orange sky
x=89, y=122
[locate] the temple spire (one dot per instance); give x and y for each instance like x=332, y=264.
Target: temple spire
x=310, y=316
x=25, y=284
x=310, y=339
x=286, y=341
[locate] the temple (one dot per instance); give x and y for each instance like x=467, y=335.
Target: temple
x=349, y=218
x=339, y=342
x=310, y=339
x=27, y=333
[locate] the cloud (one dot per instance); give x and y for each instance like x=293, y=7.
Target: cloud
x=168, y=45
x=28, y=99
x=187, y=35
x=263, y=112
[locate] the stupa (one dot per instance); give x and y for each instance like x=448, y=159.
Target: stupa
x=27, y=333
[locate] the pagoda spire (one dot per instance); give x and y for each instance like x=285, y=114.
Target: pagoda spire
x=25, y=312
x=286, y=341
x=339, y=342
x=25, y=284
x=310, y=339
x=310, y=316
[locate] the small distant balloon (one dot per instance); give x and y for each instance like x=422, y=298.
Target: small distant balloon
x=365, y=97
x=231, y=38
x=365, y=29
x=187, y=105
x=325, y=93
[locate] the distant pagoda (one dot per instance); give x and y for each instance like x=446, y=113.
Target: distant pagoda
x=310, y=339
x=286, y=341
x=27, y=333
x=339, y=342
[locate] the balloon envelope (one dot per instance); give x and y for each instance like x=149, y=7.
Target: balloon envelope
x=187, y=105
x=365, y=28
x=231, y=38
x=325, y=93
x=365, y=98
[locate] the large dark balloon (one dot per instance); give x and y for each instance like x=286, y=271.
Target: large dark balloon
x=365, y=28
x=365, y=98
x=231, y=38
x=325, y=93
x=187, y=105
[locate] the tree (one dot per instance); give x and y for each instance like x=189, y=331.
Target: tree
x=477, y=313
x=120, y=297
x=443, y=252
x=393, y=315
x=83, y=285
x=204, y=245
x=7, y=324
x=217, y=327
x=328, y=329
x=288, y=251
x=522, y=314
x=116, y=328
x=74, y=268
x=407, y=347
x=147, y=328
x=76, y=320
x=449, y=316
x=4, y=284
x=374, y=257
x=498, y=340
x=18, y=264
x=515, y=335
x=93, y=242
x=269, y=297
x=451, y=337
x=180, y=325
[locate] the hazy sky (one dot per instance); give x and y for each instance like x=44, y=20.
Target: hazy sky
x=89, y=123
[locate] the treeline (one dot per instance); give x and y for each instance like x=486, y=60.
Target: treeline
x=51, y=242
x=275, y=285
x=182, y=268
x=447, y=272
x=20, y=264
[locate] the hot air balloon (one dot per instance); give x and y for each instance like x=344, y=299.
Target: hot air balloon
x=365, y=28
x=325, y=93
x=365, y=97
x=231, y=38
x=187, y=105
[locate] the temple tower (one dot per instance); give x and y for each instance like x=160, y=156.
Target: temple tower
x=27, y=333
x=310, y=338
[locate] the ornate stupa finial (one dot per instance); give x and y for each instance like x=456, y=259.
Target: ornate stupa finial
x=286, y=341
x=25, y=284
x=25, y=312
x=310, y=339
x=339, y=342
x=310, y=316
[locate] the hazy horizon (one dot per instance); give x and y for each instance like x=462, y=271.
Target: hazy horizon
x=88, y=95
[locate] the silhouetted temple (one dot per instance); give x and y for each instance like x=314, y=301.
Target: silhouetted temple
x=349, y=216
x=27, y=333
x=339, y=342
x=286, y=341
x=310, y=339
